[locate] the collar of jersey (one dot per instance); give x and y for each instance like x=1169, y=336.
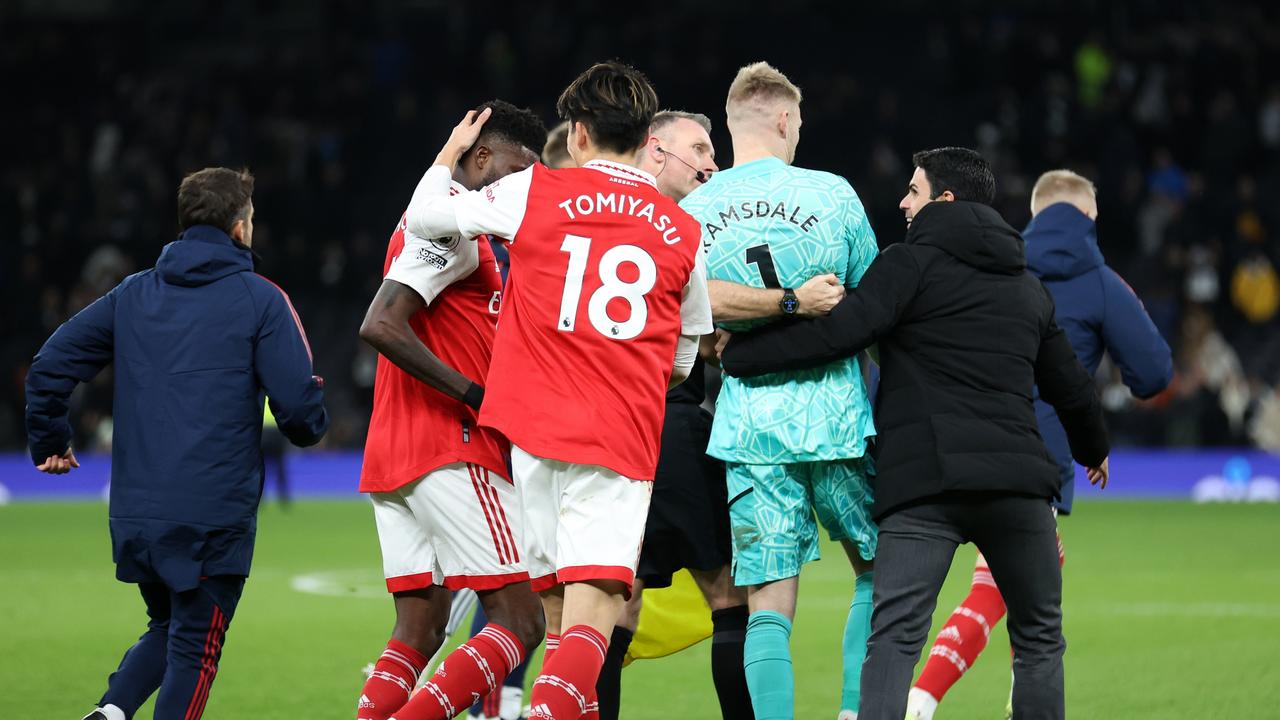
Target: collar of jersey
x=764, y=164
x=626, y=172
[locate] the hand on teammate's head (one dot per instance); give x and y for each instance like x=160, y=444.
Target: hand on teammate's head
x=466, y=132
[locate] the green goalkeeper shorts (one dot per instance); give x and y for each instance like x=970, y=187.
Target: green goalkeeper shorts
x=772, y=512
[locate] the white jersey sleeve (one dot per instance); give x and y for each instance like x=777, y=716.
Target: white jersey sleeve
x=695, y=308
x=497, y=209
x=430, y=266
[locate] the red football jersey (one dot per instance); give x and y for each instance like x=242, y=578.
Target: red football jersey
x=416, y=428
x=606, y=274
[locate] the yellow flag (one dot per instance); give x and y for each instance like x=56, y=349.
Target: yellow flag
x=671, y=620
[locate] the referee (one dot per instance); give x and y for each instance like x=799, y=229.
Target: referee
x=966, y=336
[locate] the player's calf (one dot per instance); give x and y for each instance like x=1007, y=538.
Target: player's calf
x=421, y=615
x=476, y=668
x=518, y=610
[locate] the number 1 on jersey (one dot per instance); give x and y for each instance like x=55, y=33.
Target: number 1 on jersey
x=577, y=247
x=760, y=256
x=611, y=286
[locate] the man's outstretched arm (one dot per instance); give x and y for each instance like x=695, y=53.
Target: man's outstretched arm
x=866, y=313
x=731, y=301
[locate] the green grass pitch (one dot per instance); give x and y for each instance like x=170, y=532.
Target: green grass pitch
x=1172, y=611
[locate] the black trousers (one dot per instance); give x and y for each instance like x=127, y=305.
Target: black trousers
x=1018, y=537
x=178, y=654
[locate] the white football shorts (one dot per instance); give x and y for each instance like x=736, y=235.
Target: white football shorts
x=457, y=526
x=580, y=522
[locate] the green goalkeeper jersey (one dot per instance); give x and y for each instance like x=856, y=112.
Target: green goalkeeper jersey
x=768, y=224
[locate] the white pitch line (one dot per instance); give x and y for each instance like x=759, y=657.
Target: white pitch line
x=361, y=584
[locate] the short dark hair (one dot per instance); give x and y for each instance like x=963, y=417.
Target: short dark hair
x=517, y=125
x=962, y=171
x=214, y=196
x=614, y=101
x=666, y=117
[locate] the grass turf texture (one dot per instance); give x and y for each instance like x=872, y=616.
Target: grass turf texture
x=1172, y=610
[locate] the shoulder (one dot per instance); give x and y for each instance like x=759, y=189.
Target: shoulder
x=837, y=189
x=265, y=292
x=1041, y=297
x=1112, y=282
x=718, y=187
x=836, y=185
x=901, y=253
x=133, y=281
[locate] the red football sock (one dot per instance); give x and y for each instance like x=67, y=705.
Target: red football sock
x=566, y=688
x=491, y=706
x=552, y=642
x=392, y=681
x=963, y=637
x=477, y=667
x=593, y=701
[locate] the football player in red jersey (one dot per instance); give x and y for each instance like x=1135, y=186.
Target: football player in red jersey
x=605, y=303
x=446, y=511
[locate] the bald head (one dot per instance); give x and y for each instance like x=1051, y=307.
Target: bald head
x=1057, y=186
x=764, y=106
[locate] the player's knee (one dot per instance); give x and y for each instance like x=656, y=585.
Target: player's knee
x=424, y=634
x=631, y=612
x=529, y=628
x=424, y=638
x=522, y=616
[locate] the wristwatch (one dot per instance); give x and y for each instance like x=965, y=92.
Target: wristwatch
x=789, y=304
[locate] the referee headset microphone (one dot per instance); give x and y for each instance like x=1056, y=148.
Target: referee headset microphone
x=701, y=176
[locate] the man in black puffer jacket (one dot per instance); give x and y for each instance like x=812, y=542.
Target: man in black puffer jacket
x=966, y=335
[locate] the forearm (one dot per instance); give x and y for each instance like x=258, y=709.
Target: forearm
x=804, y=343
x=686, y=355
x=431, y=213
x=48, y=429
x=796, y=346
x=1067, y=386
x=1086, y=431
x=731, y=301
x=54, y=374
x=398, y=343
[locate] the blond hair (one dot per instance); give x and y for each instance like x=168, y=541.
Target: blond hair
x=760, y=84
x=1062, y=186
x=555, y=154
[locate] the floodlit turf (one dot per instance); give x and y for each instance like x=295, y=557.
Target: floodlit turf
x=1172, y=611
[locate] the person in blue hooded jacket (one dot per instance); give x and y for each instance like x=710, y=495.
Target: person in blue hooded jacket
x=1099, y=313
x=195, y=343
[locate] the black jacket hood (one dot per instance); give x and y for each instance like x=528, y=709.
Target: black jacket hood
x=972, y=233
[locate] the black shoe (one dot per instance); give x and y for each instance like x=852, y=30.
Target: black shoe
x=95, y=715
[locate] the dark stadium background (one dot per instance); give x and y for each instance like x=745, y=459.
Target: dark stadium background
x=1173, y=108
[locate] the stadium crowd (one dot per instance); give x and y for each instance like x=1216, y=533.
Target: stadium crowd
x=337, y=110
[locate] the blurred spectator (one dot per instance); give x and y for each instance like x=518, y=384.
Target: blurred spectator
x=1213, y=389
